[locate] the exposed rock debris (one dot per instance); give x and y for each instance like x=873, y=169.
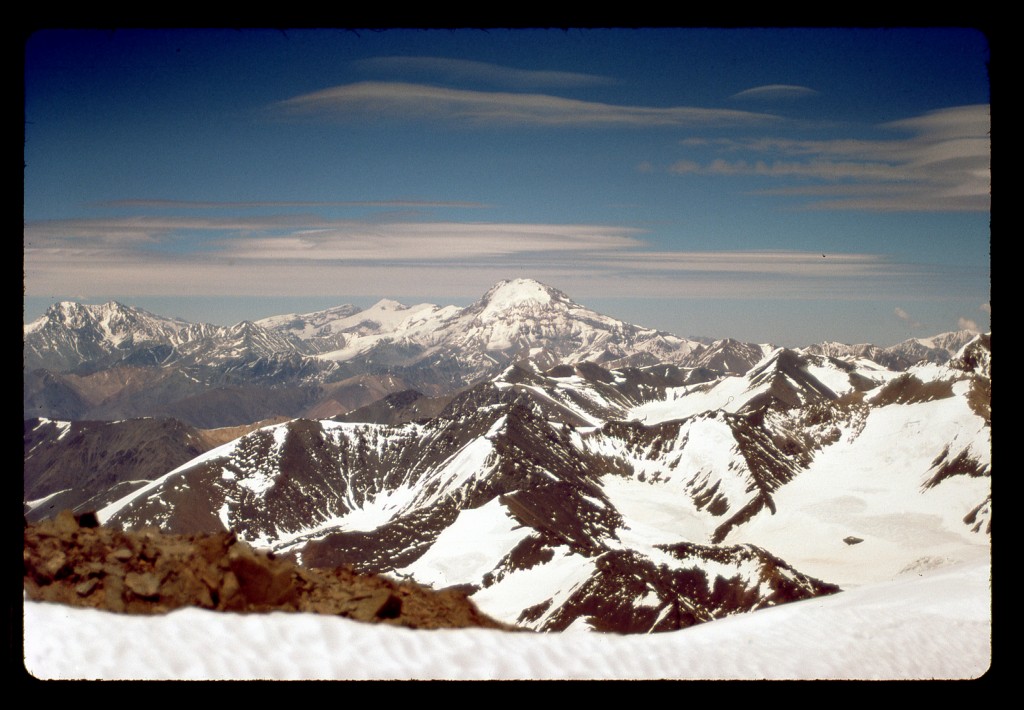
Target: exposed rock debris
x=73, y=560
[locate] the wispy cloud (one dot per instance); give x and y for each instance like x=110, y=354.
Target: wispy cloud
x=774, y=92
x=944, y=165
x=967, y=324
x=420, y=101
x=296, y=254
x=986, y=307
x=284, y=238
x=466, y=70
x=202, y=205
x=905, y=317
x=431, y=242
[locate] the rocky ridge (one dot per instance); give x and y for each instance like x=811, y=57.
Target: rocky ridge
x=73, y=560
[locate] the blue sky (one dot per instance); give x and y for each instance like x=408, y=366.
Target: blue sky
x=775, y=185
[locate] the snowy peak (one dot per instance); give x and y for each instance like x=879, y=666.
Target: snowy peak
x=111, y=318
x=728, y=356
x=71, y=334
x=519, y=294
x=975, y=357
x=936, y=349
x=388, y=304
x=308, y=325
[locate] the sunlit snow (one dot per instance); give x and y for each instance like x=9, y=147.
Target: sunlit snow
x=469, y=548
x=929, y=626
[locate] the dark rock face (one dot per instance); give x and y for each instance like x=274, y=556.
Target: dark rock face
x=73, y=561
x=976, y=357
x=398, y=408
x=630, y=593
x=907, y=389
x=86, y=458
x=960, y=465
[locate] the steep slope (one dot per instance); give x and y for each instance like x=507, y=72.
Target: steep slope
x=71, y=335
x=86, y=465
x=582, y=497
x=518, y=462
x=727, y=356
x=784, y=379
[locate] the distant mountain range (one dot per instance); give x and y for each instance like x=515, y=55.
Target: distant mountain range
x=113, y=361
x=567, y=470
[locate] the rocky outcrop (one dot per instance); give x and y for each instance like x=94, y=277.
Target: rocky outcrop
x=75, y=561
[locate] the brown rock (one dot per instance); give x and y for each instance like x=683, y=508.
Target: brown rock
x=262, y=581
x=229, y=592
x=55, y=565
x=65, y=522
x=85, y=588
x=145, y=585
x=121, y=554
x=97, y=567
x=113, y=590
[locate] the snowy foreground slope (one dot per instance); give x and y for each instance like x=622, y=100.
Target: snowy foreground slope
x=934, y=624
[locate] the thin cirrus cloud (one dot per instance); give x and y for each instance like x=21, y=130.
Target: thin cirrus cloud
x=943, y=165
x=431, y=242
x=775, y=91
x=467, y=70
x=421, y=101
x=285, y=254
x=203, y=205
x=284, y=238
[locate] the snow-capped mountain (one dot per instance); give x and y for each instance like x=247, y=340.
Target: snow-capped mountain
x=114, y=361
x=70, y=335
x=74, y=337
x=514, y=320
x=299, y=364
x=581, y=497
x=938, y=349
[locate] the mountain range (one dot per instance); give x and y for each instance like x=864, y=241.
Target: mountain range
x=565, y=469
x=112, y=361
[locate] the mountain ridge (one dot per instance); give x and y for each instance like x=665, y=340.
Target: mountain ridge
x=581, y=497
x=294, y=364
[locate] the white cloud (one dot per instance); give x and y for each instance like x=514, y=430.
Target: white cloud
x=967, y=324
x=987, y=307
x=286, y=255
x=430, y=241
x=292, y=256
x=905, y=317
x=420, y=101
x=943, y=166
x=774, y=92
x=468, y=70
